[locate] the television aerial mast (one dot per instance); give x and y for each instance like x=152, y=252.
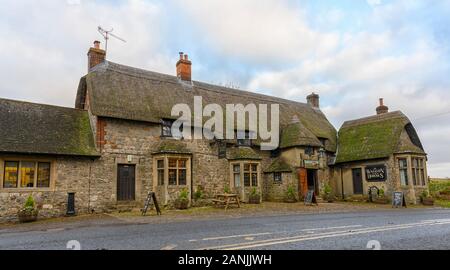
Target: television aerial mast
x=107, y=34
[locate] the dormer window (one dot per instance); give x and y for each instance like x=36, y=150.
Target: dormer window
x=309, y=150
x=166, y=128
x=244, y=142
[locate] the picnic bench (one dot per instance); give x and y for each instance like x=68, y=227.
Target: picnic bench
x=227, y=200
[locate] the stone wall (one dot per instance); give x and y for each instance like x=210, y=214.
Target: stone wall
x=392, y=184
x=68, y=175
x=277, y=192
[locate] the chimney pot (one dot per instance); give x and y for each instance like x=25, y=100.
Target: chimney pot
x=382, y=108
x=313, y=100
x=97, y=44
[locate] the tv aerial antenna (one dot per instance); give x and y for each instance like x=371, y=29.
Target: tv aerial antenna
x=107, y=34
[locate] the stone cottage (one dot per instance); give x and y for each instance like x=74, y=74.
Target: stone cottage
x=116, y=145
x=382, y=151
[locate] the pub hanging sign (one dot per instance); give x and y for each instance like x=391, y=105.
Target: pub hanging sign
x=376, y=173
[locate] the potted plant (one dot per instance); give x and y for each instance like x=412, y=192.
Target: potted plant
x=290, y=195
x=28, y=213
x=254, y=197
x=381, y=198
x=328, y=194
x=426, y=198
x=182, y=202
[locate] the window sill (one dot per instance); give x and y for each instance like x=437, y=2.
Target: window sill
x=24, y=190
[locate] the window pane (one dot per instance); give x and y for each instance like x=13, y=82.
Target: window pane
x=237, y=180
x=247, y=179
x=182, y=177
x=11, y=174
x=404, y=177
x=414, y=175
x=27, y=170
x=172, y=163
x=182, y=163
x=277, y=177
x=237, y=168
x=422, y=174
x=161, y=177
x=254, y=179
x=160, y=164
x=254, y=167
x=43, y=179
x=247, y=167
x=173, y=177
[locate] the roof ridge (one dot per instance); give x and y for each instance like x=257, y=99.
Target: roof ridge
x=108, y=65
x=40, y=104
x=375, y=118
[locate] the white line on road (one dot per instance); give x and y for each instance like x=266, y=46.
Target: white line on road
x=169, y=247
x=300, y=238
x=234, y=236
x=331, y=228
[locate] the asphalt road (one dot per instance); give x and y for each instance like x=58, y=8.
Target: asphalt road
x=389, y=230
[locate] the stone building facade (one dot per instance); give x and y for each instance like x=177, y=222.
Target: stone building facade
x=116, y=145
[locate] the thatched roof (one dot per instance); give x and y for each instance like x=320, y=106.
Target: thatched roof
x=30, y=128
x=296, y=134
x=279, y=165
x=377, y=137
x=243, y=153
x=123, y=92
x=171, y=146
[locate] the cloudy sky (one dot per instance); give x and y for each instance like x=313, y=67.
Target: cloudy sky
x=351, y=52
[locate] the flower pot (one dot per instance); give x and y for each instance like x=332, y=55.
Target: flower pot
x=254, y=200
x=428, y=201
x=381, y=200
x=328, y=198
x=27, y=215
x=181, y=204
x=290, y=200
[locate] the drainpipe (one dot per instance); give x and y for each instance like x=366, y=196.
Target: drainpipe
x=89, y=187
x=342, y=184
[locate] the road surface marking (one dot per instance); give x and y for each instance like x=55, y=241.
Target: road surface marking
x=169, y=247
x=235, y=236
x=331, y=228
x=300, y=238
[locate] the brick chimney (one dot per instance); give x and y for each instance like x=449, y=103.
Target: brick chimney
x=184, y=67
x=313, y=100
x=95, y=55
x=382, y=108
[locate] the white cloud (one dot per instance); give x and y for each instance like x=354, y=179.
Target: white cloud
x=263, y=31
x=49, y=48
x=374, y=2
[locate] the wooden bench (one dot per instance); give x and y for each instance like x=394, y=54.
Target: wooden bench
x=227, y=200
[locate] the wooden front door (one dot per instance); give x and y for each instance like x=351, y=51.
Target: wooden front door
x=357, y=181
x=126, y=183
x=302, y=183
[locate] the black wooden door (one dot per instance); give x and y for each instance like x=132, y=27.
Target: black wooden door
x=357, y=181
x=126, y=181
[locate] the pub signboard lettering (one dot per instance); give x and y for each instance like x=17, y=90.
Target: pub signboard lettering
x=376, y=173
x=311, y=164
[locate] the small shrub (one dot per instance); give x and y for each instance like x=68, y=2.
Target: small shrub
x=327, y=190
x=291, y=194
x=30, y=204
x=198, y=195
x=254, y=196
x=184, y=195
x=381, y=193
x=227, y=190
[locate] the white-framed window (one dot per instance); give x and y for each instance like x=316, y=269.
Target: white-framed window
x=237, y=175
x=403, y=169
x=418, y=171
x=177, y=172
